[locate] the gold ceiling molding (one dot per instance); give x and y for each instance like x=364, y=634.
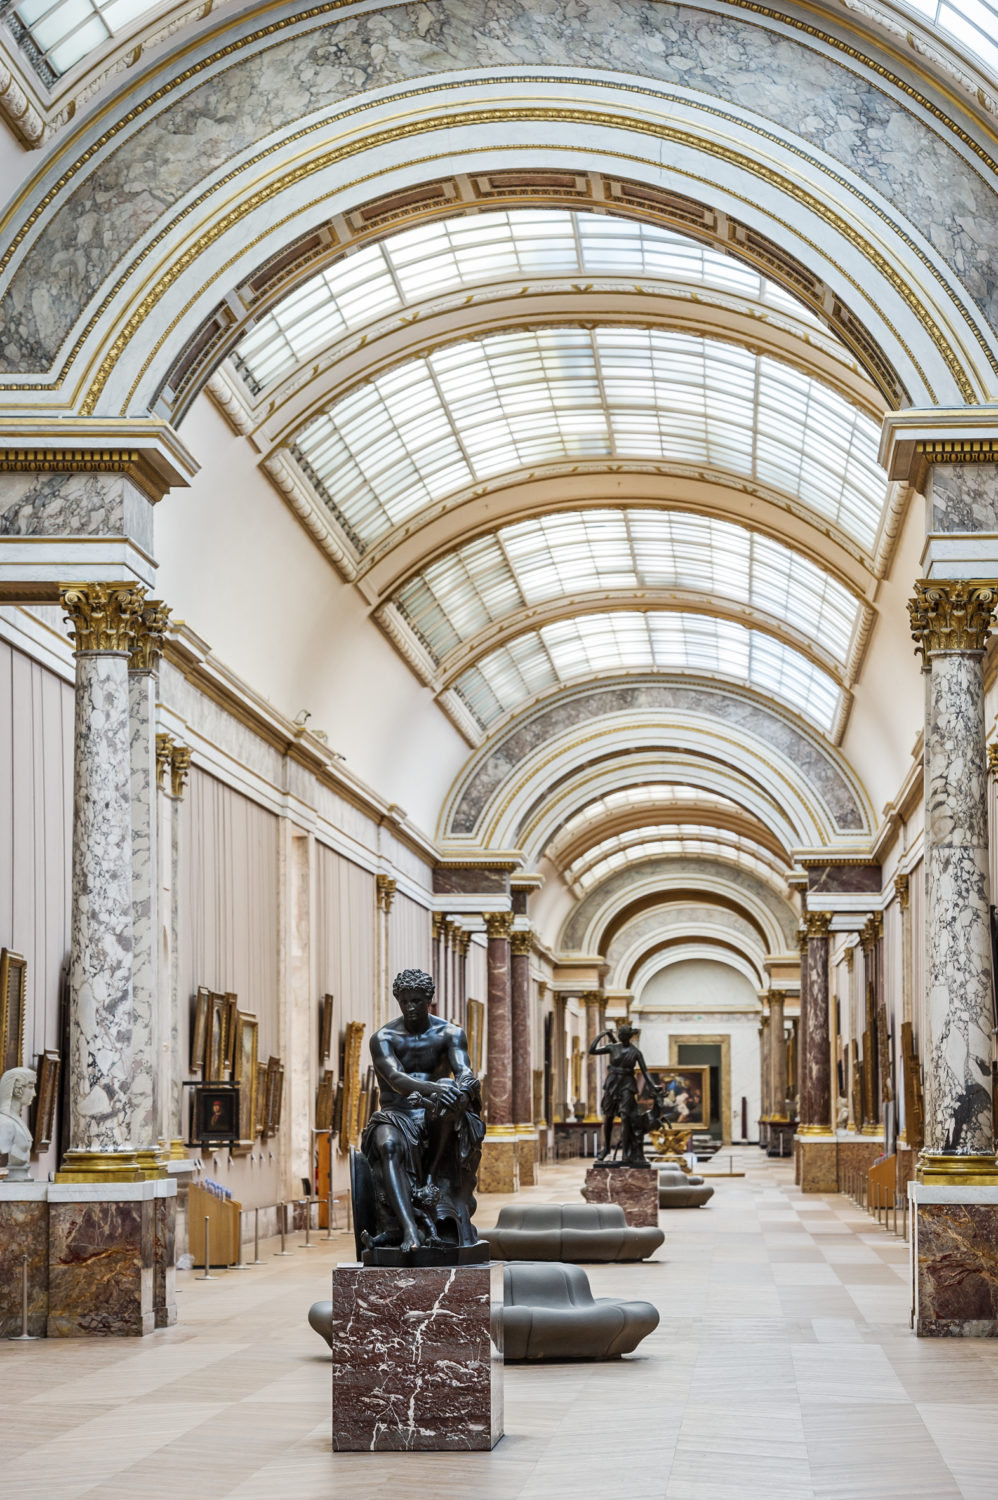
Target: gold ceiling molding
x=131, y=463
x=958, y=450
x=659, y=130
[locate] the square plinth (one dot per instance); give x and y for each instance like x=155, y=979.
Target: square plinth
x=635, y=1189
x=955, y=1261
x=417, y=1358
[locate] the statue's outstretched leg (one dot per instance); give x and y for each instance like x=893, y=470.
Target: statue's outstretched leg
x=395, y=1183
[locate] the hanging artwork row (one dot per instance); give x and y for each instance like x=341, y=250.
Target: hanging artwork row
x=225, y=1046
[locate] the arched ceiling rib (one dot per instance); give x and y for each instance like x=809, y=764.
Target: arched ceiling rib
x=631, y=849
x=622, y=813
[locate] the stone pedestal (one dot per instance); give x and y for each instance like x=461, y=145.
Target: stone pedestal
x=417, y=1358
x=954, y=1260
x=100, y=1257
x=817, y=1164
x=635, y=1189
x=499, y=1168
x=527, y=1149
x=857, y=1153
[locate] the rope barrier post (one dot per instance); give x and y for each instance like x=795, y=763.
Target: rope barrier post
x=282, y=1214
x=207, y=1252
x=308, y=1225
x=329, y=1213
x=24, y=1337
x=256, y=1238
x=240, y=1264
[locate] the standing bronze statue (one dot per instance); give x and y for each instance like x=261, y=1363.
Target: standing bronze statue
x=620, y=1097
x=413, y=1180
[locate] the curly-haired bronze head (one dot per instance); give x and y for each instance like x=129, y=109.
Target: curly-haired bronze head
x=414, y=981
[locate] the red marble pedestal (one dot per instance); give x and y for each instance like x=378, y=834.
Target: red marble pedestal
x=417, y=1358
x=816, y=1162
x=954, y=1260
x=635, y=1189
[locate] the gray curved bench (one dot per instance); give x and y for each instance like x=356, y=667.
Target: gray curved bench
x=549, y=1312
x=320, y=1316
x=676, y=1190
x=569, y=1232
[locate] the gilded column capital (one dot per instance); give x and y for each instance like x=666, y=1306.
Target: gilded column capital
x=951, y=615
x=776, y=997
x=871, y=932
x=902, y=884
x=522, y=941
x=385, y=889
x=462, y=941
x=592, y=998
x=150, y=632
x=103, y=616
x=437, y=920
x=817, y=923
x=850, y=957
x=164, y=755
x=499, y=924
x=993, y=758
x=180, y=765
x=802, y=938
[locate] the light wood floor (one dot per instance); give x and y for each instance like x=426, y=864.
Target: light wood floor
x=782, y=1368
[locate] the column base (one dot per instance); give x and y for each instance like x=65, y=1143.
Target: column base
x=954, y=1260
x=816, y=1161
x=499, y=1169
x=951, y=1170
x=527, y=1146
x=417, y=1358
x=152, y=1163
x=635, y=1189
x=100, y=1166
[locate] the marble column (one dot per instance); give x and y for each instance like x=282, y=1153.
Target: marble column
x=875, y=1035
x=102, y=1143
x=499, y=1170
x=146, y=1051
x=950, y=623
x=816, y=1100
x=593, y=1002
x=559, y=1046
x=463, y=944
x=765, y=1080
x=778, y=1057
x=521, y=942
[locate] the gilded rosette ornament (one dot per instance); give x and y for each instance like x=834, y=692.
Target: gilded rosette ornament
x=951, y=615
x=150, y=633
x=103, y=616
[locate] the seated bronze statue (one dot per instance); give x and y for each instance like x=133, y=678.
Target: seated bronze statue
x=620, y=1098
x=413, y=1180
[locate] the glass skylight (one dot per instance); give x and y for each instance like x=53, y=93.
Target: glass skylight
x=973, y=23
x=483, y=408
x=628, y=641
x=650, y=794
x=59, y=33
x=476, y=249
x=574, y=551
x=682, y=838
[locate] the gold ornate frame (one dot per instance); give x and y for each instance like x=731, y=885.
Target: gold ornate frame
x=13, y=994
x=718, y=1039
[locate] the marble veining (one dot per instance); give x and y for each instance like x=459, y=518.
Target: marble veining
x=145, y=1004
x=75, y=505
x=964, y=497
x=499, y=1033
x=956, y=1271
x=514, y=744
x=520, y=1024
x=770, y=73
x=101, y=1268
x=100, y=1057
x=957, y=932
x=815, y=1077
x=417, y=1358
x=635, y=1189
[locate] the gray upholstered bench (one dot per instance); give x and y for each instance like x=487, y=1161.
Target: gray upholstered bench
x=569, y=1232
x=676, y=1190
x=549, y=1312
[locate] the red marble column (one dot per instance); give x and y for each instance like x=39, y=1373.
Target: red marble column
x=593, y=1001
x=816, y=1081
x=499, y=926
x=523, y=1103
x=801, y=1022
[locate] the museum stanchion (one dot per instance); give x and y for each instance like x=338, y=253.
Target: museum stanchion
x=24, y=1337
x=329, y=1216
x=257, y=1259
x=240, y=1264
x=207, y=1252
x=308, y=1225
x=282, y=1214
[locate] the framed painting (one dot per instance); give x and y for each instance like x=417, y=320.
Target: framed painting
x=324, y=1101
x=687, y=1094
x=199, y=1029
x=215, y=1109
x=350, y=1115
x=337, y=1124
x=325, y=1027
x=13, y=990
x=275, y=1090
x=215, y=1053
x=229, y=1043
x=244, y=1060
x=46, y=1095
x=474, y=1026
x=260, y=1100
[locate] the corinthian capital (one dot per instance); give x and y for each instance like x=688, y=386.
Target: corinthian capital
x=150, y=632
x=164, y=755
x=180, y=765
x=522, y=941
x=499, y=924
x=817, y=923
x=103, y=616
x=951, y=615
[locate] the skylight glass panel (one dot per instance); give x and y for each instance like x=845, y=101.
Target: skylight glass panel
x=484, y=407
x=648, y=794
x=65, y=31
x=568, y=650
x=663, y=839
x=706, y=847
x=474, y=249
x=545, y=558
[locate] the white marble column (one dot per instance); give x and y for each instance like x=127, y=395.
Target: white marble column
x=101, y=1068
x=142, y=679
x=950, y=622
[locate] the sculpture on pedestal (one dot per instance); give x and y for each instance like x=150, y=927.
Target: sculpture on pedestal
x=17, y=1089
x=414, y=1178
x=620, y=1097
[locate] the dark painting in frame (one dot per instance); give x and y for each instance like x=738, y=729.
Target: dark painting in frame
x=45, y=1101
x=216, y=1114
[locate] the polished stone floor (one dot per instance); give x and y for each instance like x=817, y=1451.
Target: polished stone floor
x=782, y=1368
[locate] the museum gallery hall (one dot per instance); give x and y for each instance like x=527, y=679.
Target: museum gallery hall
x=498, y=749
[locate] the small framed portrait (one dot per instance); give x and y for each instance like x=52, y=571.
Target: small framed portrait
x=199, y=1029
x=47, y=1093
x=325, y=1027
x=216, y=1114
x=13, y=990
x=244, y=1062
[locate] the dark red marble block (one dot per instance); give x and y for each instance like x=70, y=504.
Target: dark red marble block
x=635, y=1189
x=957, y=1270
x=24, y=1231
x=101, y=1256
x=417, y=1358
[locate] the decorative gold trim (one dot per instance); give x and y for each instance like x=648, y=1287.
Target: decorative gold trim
x=385, y=889
x=521, y=942
x=152, y=1163
x=100, y=1166
x=352, y=1094
x=956, y=1171
x=592, y=999
x=958, y=450
x=180, y=765
x=501, y=1132
x=816, y=924
x=813, y=1131
x=951, y=615
x=150, y=633
x=164, y=755
x=499, y=925
x=129, y=463
x=104, y=617
x=902, y=883
x=871, y=932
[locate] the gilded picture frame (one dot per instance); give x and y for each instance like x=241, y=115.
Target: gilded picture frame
x=199, y=1029
x=260, y=1100
x=216, y=1045
x=275, y=1089
x=229, y=1043
x=350, y=1120
x=244, y=1061
x=325, y=1027
x=13, y=996
x=474, y=1026
x=324, y=1100
x=687, y=1085
x=47, y=1093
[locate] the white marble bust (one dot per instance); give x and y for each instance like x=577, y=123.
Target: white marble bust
x=17, y=1089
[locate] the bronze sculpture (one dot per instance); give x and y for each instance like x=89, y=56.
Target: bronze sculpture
x=620, y=1097
x=414, y=1178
